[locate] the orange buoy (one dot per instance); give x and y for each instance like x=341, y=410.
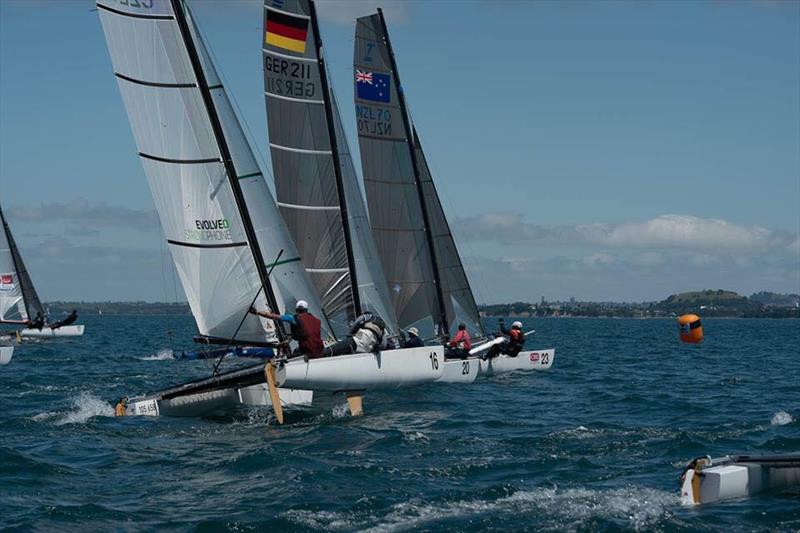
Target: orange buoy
x=691, y=329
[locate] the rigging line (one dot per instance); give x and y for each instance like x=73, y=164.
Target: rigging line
x=164, y=283
x=247, y=313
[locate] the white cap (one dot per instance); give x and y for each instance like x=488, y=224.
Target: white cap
x=516, y=324
x=301, y=304
x=413, y=331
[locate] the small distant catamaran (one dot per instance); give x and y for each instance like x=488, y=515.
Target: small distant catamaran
x=19, y=303
x=234, y=247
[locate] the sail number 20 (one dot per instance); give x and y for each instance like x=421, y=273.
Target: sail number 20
x=434, y=361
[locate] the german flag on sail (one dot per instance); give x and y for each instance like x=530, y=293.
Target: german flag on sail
x=286, y=31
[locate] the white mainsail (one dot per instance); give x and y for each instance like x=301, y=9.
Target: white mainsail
x=19, y=302
x=216, y=212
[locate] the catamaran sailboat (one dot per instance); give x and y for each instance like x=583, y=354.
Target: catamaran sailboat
x=430, y=289
x=19, y=303
x=221, y=222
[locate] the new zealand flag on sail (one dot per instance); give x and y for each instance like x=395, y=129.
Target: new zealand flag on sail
x=372, y=86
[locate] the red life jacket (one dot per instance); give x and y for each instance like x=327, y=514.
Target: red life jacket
x=462, y=337
x=311, y=341
x=516, y=336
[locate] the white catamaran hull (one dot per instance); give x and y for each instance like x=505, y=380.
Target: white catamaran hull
x=460, y=370
x=727, y=478
x=298, y=379
x=207, y=403
x=63, y=331
x=256, y=395
x=388, y=369
x=6, y=352
x=528, y=360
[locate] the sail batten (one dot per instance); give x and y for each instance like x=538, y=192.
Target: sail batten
x=213, y=203
x=424, y=271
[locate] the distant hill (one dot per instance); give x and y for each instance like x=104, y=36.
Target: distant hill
x=706, y=297
x=710, y=303
x=726, y=303
x=706, y=303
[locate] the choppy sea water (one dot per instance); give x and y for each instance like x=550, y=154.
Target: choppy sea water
x=597, y=443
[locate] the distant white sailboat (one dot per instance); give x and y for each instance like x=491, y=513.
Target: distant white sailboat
x=19, y=302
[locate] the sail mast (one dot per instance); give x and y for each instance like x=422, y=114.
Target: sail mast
x=337, y=166
x=443, y=323
x=227, y=159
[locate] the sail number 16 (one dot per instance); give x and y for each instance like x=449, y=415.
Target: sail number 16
x=434, y=361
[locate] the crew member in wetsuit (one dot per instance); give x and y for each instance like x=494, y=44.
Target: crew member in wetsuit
x=122, y=405
x=367, y=334
x=38, y=322
x=306, y=329
x=413, y=339
x=461, y=344
x=72, y=317
x=514, y=344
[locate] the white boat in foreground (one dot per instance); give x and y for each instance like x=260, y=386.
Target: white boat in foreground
x=6, y=352
x=708, y=480
x=46, y=332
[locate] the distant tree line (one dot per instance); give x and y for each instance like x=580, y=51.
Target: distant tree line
x=706, y=303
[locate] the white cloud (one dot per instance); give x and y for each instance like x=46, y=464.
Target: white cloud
x=598, y=260
x=622, y=277
x=664, y=232
x=83, y=214
x=632, y=261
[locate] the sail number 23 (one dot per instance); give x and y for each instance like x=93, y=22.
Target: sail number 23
x=434, y=361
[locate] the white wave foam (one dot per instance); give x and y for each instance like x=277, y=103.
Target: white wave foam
x=84, y=407
x=638, y=507
x=41, y=417
x=341, y=410
x=415, y=436
x=781, y=418
x=162, y=355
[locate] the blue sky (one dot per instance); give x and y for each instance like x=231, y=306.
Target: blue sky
x=602, y=150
